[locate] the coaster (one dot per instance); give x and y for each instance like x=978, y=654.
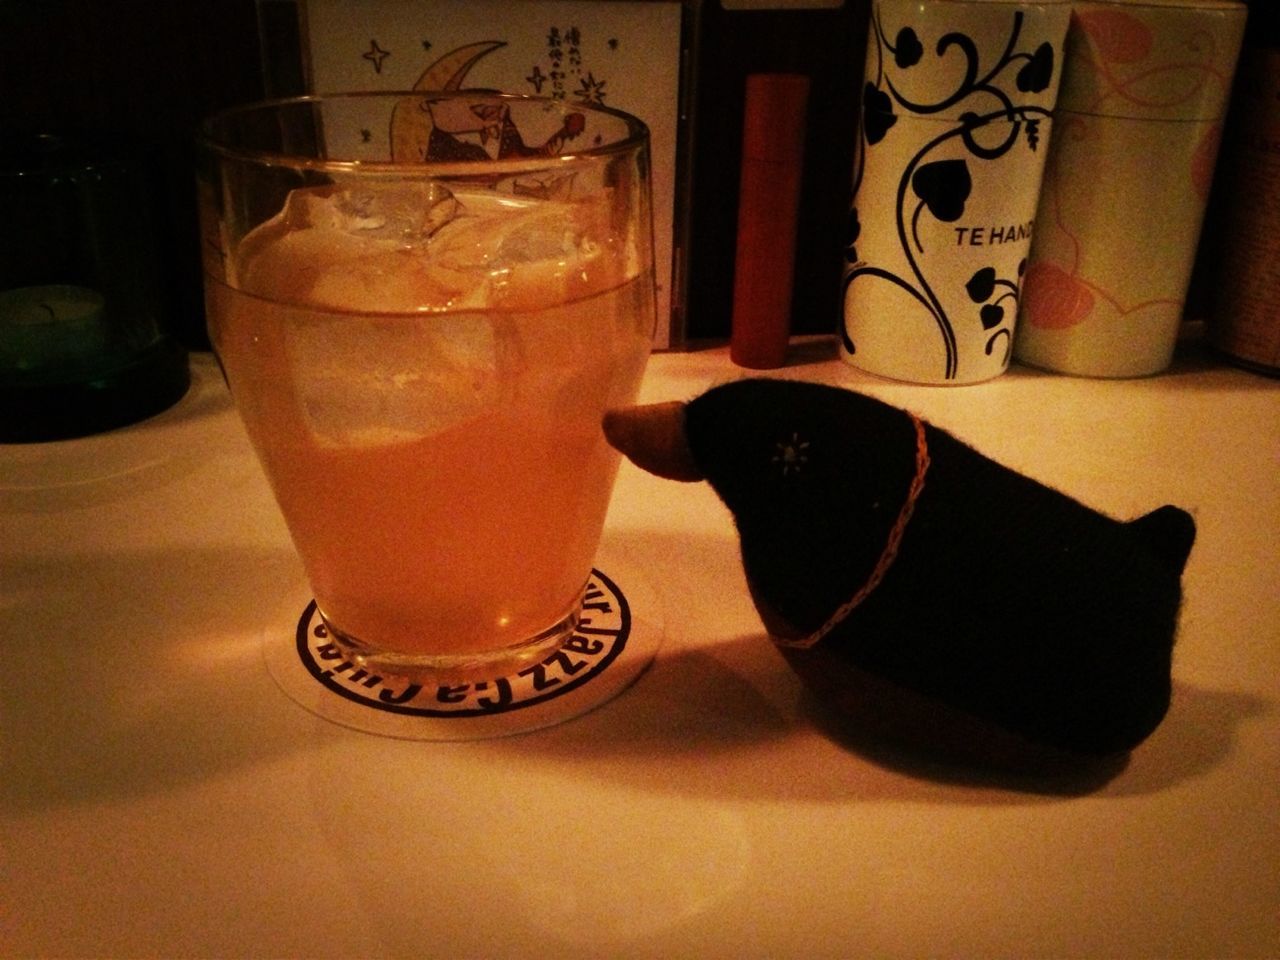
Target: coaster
x=615, y=641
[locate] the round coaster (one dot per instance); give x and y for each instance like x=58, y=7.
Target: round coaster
x=615, y=641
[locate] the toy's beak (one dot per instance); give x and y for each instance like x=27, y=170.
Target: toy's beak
x=653, y=438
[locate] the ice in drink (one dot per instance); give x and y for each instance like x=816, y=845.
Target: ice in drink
x=423, y=376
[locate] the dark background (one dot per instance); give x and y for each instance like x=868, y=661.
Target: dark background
x=827, y=46
x=146, y=70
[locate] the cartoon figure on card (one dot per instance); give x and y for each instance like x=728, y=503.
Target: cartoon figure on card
x=482, y=129
x=444, y=129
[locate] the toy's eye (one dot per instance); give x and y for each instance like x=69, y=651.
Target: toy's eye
x=791, y=455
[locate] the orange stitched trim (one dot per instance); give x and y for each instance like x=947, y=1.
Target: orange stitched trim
x=890, y=548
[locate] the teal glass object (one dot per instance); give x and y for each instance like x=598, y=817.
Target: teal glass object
x=83, y=341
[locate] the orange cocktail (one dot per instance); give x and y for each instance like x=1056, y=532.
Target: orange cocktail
x=422, y=365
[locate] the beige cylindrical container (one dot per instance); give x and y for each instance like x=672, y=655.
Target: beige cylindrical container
x=1144, y=93
x=956, y=118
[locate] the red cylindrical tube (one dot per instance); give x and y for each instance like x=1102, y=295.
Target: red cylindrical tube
x=768, y=204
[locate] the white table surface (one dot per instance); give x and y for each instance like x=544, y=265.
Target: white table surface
x=160, y=796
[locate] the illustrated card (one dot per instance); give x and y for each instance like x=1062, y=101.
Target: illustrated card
x=619, y=54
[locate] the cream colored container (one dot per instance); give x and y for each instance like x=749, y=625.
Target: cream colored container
x=957, y=104
x=1144, y=91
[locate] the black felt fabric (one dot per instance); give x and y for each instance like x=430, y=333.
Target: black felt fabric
x=1008, y=600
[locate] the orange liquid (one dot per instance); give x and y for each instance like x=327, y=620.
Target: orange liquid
x=443, y=474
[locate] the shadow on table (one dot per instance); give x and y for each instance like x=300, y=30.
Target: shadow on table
x=731, y=719
x=132, y=674
x=696, y=726
x=1196, y=735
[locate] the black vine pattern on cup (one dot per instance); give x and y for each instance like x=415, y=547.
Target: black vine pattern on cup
x=983, y=288
x=941, y=188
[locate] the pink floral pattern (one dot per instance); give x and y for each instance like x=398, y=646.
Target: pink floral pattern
x=1053, y=299
x=1119, y=37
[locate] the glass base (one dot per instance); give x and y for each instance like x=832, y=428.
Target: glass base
x=619, y=632
x=455, y=667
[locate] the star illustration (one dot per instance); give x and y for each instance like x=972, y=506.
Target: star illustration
x=591, y=90
x=792, y=454
x=375, y=55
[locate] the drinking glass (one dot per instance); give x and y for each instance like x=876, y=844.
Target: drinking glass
x=423, y=304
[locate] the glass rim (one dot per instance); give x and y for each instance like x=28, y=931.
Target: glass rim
x=637, y=136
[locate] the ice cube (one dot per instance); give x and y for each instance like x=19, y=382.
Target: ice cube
x=404, y=212
x=381, y=380
x=494, y=231
x=534, y=253
x=389, y=281
x=331, y=248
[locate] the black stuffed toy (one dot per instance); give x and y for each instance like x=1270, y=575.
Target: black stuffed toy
x=931, y=593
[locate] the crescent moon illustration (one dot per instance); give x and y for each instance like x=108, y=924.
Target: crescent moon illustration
x=410, y=123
